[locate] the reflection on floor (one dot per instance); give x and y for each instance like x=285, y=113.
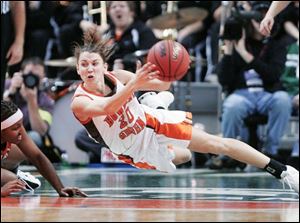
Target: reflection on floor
x=187, y=195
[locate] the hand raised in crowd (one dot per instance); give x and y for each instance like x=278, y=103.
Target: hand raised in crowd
x=266, y=25
x=29, y=94
x=71, y=192
x=15, y=53
x=16, y=82
x=12, y=186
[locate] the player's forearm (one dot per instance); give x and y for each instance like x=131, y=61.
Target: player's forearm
x=47, y=170
x=109, y=105
x=156, y=85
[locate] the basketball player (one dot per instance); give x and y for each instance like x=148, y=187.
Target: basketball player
x=14, y=140
x=268, y=21
x=104, y=103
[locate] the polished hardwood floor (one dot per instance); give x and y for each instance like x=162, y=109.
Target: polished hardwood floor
x=131, y=195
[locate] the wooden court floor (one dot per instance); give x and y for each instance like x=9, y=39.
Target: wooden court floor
x=132, y=195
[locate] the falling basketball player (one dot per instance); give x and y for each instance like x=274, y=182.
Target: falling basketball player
x=14, y=143
x=104, y=103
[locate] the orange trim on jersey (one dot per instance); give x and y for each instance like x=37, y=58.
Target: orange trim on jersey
x=128, y=160
x=88, y=91
x=83, y=122
x=111, y=77
x=78, y=95
x=181, y=130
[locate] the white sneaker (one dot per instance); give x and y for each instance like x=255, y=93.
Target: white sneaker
x=161, y=100
x=291, y=178
x=31, y=182
x=167, y=97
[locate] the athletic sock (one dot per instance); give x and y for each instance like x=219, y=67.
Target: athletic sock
x=275, y=168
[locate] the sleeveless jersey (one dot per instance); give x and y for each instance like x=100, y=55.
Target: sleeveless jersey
x=137, y=134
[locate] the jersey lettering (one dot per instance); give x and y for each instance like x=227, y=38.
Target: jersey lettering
x=138, y=126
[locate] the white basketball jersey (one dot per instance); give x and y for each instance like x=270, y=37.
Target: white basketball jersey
x=137, y=134
x=119, y=130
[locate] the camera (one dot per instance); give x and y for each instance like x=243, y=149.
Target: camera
x=31, y=80
x=239, y=19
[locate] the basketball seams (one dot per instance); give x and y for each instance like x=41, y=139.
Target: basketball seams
x=179, y=64
x=157, y=63
x=170, y=58
x=165, y=55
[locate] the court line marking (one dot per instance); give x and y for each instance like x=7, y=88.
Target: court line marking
x=164, y=209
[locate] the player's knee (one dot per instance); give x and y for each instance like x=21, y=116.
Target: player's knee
x=183, y=157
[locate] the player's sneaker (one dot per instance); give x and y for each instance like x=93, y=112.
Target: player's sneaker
x=291, y=178
x=31, y=182
x=161, y=100
x=167, y=97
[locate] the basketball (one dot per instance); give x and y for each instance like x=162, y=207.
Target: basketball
x=171, y=59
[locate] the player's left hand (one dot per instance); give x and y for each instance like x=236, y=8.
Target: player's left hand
x=71, y=192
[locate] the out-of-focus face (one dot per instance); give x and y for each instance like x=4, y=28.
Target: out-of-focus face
x=91, y=67
x=12, y=134
x=120, y=13
x=36, y=69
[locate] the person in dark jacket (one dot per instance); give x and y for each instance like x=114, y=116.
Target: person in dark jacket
x=250, y=72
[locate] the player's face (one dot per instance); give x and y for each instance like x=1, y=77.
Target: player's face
x=91, y=67
x=12, y=134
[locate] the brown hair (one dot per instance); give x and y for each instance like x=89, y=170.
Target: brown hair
x=130, y=4
x=32, y=60
x=93, y=44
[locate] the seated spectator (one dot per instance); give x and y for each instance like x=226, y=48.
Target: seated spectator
x=289, y=19
x=250, y=72
x=25, y=89
x=290, y=79
x=38, y=29
x=126, y=34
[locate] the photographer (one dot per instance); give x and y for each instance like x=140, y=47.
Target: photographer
x=25, y=90
x=250, y=73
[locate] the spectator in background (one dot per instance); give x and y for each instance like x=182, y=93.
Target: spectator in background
x=127, y=34
x=33, y=100
x=193, y=37
x=290, y=19
x=38, y=28
x=250, y=72
x=12, y=35
x=290, y=80
x=68, y=26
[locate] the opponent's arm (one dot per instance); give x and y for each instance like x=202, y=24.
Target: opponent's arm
x=45, y=167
